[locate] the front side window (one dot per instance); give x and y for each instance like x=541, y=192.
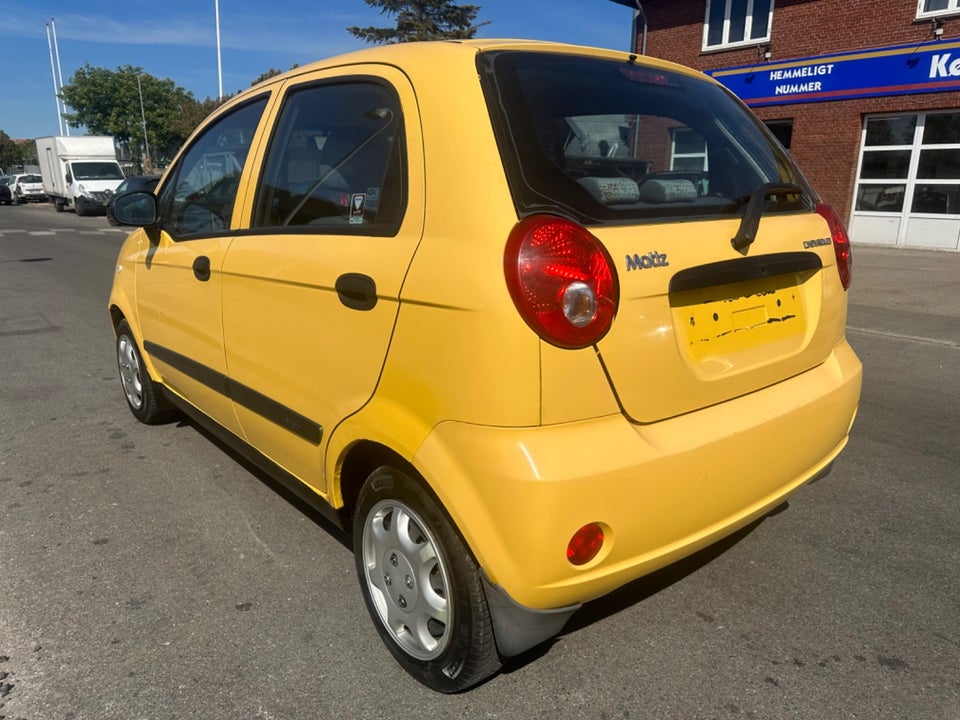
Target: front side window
x=733, y=23
x=335, y=162
x=932, y=8
x=199, y=196
x=606, y=141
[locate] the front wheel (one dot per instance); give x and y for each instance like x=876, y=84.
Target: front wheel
x=144, y=398
x=421, y=585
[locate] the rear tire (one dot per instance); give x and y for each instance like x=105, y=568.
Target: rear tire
x=421, y=585
x=144, y=398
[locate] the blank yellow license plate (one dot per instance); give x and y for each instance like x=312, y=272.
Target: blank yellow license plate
x=741, y=316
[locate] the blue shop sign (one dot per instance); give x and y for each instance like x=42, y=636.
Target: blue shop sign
x=900, y=70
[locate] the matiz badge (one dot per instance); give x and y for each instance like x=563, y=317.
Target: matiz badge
x=650, y=260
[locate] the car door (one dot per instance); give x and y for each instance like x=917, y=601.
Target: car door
x=311, y=293
x=179, y=283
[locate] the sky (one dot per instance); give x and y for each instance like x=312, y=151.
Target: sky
x=176, y=40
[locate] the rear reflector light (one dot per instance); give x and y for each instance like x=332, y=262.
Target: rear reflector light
x=562, y=280
x=841, y=243
x=585, y=544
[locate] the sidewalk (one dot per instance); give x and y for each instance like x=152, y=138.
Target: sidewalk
x=913, y=293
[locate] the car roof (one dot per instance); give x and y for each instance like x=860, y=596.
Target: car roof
x=426, y=57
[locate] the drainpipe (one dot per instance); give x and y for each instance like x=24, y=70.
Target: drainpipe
x=641, y=14
x=638, y=13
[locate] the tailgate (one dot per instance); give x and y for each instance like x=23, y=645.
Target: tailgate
x=700, y=324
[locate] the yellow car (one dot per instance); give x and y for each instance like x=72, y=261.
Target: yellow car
x=530, y=320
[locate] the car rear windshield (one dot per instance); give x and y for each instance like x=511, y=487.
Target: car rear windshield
x=608, y=141
x=30, y=179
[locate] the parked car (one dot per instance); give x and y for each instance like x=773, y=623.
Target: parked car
x=6, y=197
x=477, y=319
x=27, y=188
x=131, y=184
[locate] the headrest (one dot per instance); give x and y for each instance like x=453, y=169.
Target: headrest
x=610, y=191
x=662, y=190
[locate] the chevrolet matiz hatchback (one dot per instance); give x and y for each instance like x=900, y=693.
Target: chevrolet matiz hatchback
x=531, y=321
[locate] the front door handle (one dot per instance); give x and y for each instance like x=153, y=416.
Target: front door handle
x=201, y=268
x=357, y=291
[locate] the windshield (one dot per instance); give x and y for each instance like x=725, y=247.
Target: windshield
x=608, y=141
x=29, y=179
x=96, y=171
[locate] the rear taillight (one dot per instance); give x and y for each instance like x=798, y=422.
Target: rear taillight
x=562, y=280
x=841, y=243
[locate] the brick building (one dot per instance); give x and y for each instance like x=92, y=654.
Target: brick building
x=864, y=93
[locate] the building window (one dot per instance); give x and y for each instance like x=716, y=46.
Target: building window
x=931, y=8
x=688, y=151
x=734, y=23
x=782, y=130
x=910, y=163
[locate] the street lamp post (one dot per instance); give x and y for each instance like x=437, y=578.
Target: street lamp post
x=147, y=162
x=216, y=7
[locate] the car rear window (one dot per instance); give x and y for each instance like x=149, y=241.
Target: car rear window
x=30, y=179
x=608, y=141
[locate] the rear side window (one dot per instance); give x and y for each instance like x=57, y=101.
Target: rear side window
x=605, y=141
x=335, y=161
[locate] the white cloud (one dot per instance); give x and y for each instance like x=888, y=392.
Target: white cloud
x=315, y=33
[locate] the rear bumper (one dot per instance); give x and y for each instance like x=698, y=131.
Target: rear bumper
x=661, y=491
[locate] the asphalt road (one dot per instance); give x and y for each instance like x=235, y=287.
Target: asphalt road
x=148, y=573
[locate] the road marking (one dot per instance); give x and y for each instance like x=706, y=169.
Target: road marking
x=61, y=231
x=908, y=338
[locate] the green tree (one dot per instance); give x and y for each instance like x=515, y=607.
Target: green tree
x=107, y=102
x=272, y=72
x=15, y=154
x=193, y=112
x=10, y=152
x=421, y=20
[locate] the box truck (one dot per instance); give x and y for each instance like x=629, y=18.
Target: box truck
x=80, y=172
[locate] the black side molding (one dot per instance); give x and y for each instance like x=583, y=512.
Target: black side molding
x=249, y=398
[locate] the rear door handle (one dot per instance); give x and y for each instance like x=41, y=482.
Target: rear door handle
x=201, y=268
x=357, y=291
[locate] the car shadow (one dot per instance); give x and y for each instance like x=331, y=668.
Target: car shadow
x=307, y=509
x=594, y=611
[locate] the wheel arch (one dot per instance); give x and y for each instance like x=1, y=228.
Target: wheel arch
x=117, y=315
x=359, y=462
